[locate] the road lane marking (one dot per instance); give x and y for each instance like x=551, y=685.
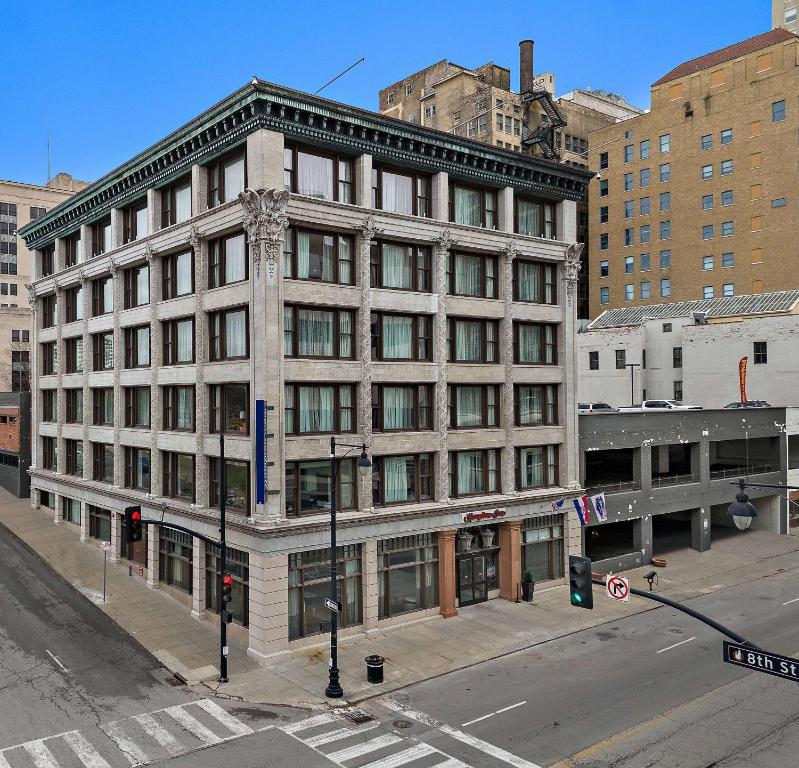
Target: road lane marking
x=41, y=756
x=491, y=714
x=158, y=733
x=55, y=659
x=192, y=724
x=788, y=602
x=86, y=753
x=466, y=738
x=416, y=752
x=386, y=740
x=233, y=724
x=682, y=642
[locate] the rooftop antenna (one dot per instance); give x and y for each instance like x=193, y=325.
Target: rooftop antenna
x=340, y=74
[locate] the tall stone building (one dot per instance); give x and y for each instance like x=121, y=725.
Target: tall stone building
x=783, y=14
x=364, y=278
x=19, y=205
x=479, y=104
x=697, y=197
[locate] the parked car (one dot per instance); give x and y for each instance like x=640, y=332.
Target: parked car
x=749, y=404
x=587, y=408
x=662, y=405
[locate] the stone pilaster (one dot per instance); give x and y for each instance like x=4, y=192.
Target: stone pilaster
x=371, y=585
x=156, y=361
x=152, y=556
x=117, y=229
x=199, y=246
x=88, y=408
x=447, y=588
x=363, y=181
x=570, y=476
x=60, y=399
x=442, y=248
x=508, y=416
x=440, y=196
x=366, y=232
x=59, y=500
x=119, y=406
x=510, y=558
x=84, y=518
x=505, y=213
x=198, y=578
x=86, y=242
x=116, y=536
x=269, y=604
x=34, y=374
x=199, y=189
x=153, y=211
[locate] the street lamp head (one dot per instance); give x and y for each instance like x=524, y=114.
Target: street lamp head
x=742, y=510
x=364, y=464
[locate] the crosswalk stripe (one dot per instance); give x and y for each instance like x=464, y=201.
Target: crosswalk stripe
x=132, y=751
x=311, y=722
x=41, y=756
x=3, y=762
x=341, y=733
x=160, y=734
x=231, y=723
x=451, y=763
x=400, y=758
x=386, y=740
x=83, y=748
x=193, y=725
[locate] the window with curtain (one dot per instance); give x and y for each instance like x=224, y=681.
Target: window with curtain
x=535, y=217
x=74, y=402
x=473, y=206
x=473, y=406
x=402, y=407
x=536, y=467
x=401, y=337
x=536, y=404
x=137, y=407
x=178, y=341
x=137, y=286
x=178, y=474
x=103, y=462
x=226, y=178
x=229, y=407
x=407, y=570
x=176, y=202
x=472, y=275
x=535, y=343
x=134, y=222
x=400, y=192
x=400, y=266
x=175, y=555
x=535, y=282
x=309, y=584
x=472, y=341
x=74, y=302
x=227, y=260
x=402, y=479
x=70, y=510
x=324, y=176
x=318, y=332
x=307, y=486
x=178, y=404
x=103, y=351
x=73, y=355
x=321, y=256
x=102, y=296
x=473, y=472
x=178, y=275
x=103, y=405
x=137, y=347
x=137, y=468
x=74, y=457
x=228, y=333
x=319, y=408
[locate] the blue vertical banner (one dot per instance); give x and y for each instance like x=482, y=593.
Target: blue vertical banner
x=260, y=452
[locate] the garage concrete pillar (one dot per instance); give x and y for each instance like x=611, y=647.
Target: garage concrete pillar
x=642, y=537
x=642, y=467
x=700, y=529
x=446, y=574
x=662, y=459
x=510, y=558
x=703, y=462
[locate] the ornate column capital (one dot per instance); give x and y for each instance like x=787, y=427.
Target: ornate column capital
x=444, y=241
x=511, y=251
x=368, y=228
x=31, y=292
x=149, y=252
x=571, y=268
x=264, y=221
x=195, y=238
x=113, y=267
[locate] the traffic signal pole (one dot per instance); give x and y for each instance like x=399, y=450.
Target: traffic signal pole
x=223, y=649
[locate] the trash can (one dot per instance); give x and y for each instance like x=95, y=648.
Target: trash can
x=374, y=669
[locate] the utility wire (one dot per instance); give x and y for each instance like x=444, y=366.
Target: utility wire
x=340, y=74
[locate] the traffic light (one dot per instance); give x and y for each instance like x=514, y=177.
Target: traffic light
x=580, y=584
x=227, y=587
x=133, y=523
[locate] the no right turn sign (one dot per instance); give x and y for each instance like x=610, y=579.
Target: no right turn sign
x=618, y=588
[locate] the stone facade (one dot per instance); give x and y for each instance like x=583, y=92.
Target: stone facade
x=262, y=120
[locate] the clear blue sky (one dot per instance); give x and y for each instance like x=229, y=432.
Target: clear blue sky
x=110, y=78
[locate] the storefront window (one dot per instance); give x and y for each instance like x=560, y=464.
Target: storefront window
x=309, y=585
x=70, y=511
x=175, y=558
x=408, y=573
x=237, y=564
x=542, y=547
x=100, y=524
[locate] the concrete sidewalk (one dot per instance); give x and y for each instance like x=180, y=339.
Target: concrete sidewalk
x=414, y=652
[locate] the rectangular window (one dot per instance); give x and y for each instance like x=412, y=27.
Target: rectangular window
x=103, y=351
x=760, y=353
x=726, y=167
x=621, y=359
x=179, y=408
x=706, y=141
x=137, y=407
x=603, y=214
x=175, y=556
x=473, y=206
x=676, y=357
x=707, y=202
x=229, y=335
x=665, y=172
x=137, y=469
x=228, y=262
x=73, y=355
x=644, y=262
x=727, y=197
x=401, y=192
x=727, y=228
x=643, y=178
x=707, y=171
x=717, y=78
x=309, y=580
x=473, y=473
x=755, y=159
x=643, y=206
x=137, y=286
x=134, y=222
x=473, y=340
x=103, y=406
x=74, y=457
x=536, y=467
x=593, y=361
x=603, y=188
x=535, y=282
x=229, y=408
x=401, y=407
x=629, y=265
x=537, y=404
x=535, y=344
x=178, y=341
x=629, y=292
x=629, y=209
x=237, y=564
x=604, y=295
x=323, y=257
x=726, y=136
x=603, y=241
x=103, y=463
x=47, y=264
x=628, y=153
x=237, y=484
x=707, y=262
x=628, y=182
x=318, y=332
x=778, y=202
x=402, y=479
x=70, y=510
x=665, y=143
x=407, y=569
x=603, y=160
x=707, y=231
x=102, y=296
x=399, y=266
x=74, y=403
x=665, y=230
x=73, y=250
x=678, y=390
x=319, y=409
x=176, y=202
x=778, y=111
x=307, y=486
x=137, y=347
x=49, y=405
x=728, y=289
x=401, y=337
x=644, y=149
x=101, y=236
x=227, y=178
x=178, y=471
x=473, y=406
x=48, y=453
x=317, y=174
x=603, y=268
x=629, y=236
x=646, y=289
x=535, y=217
x=665, y=287
x=727, y=259
x=178, y=275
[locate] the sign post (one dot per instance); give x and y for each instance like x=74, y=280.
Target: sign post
x=618, y=588
x=761, y=661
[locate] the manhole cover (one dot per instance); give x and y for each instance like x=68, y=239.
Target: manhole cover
x=176, y=681
x=675, y=631
x=402, y=723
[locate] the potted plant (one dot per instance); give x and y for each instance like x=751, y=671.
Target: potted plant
x=528, y=585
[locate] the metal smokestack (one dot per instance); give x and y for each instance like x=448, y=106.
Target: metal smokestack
x=526, y=65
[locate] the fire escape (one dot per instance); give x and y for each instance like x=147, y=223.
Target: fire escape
x=551, y=120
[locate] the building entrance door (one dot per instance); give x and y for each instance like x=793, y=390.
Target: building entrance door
x=472, y=578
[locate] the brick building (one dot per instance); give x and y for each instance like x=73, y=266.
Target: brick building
x=697, y=196
x=364, y=277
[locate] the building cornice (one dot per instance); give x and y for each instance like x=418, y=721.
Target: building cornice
x=302, y=117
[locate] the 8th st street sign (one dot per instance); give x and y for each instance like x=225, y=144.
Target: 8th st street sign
x=761, y=661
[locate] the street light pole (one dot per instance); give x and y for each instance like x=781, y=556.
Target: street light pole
x=333, y=690
x=223, y=650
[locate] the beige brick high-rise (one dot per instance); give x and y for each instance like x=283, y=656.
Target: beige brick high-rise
x=698, y=196
x=784, y=14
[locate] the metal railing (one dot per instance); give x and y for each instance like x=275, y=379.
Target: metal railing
x=658, y=482
x=741, y=471
x=614, y=488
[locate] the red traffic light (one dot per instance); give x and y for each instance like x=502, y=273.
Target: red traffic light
x=227, y=580
x=135, y=516
x=227, y=587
